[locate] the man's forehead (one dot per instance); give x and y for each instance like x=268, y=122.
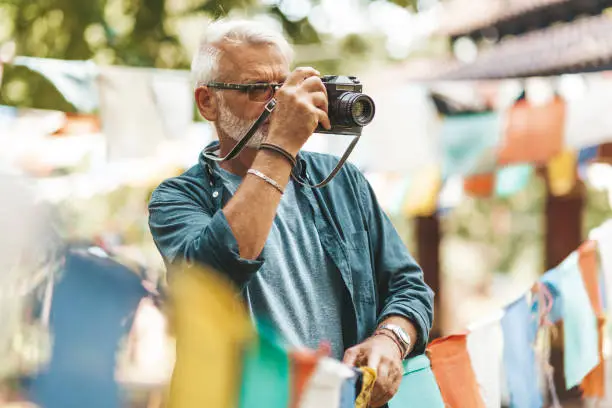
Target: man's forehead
x=250, y=63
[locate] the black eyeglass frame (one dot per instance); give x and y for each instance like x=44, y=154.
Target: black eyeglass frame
x=246, y=88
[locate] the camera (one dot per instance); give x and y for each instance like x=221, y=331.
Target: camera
x=349, y=110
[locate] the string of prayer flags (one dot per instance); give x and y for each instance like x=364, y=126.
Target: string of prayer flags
x=603, y=236
x=75, y=80
x=468, y=143
x=418, y=387
x=580, y=337
x=518, y=356
x=587, y=262
x=534, y=133
x=511, y=179
x=552, y=280
x=266, y=372
x=211, y=327
x=450, y=361
x=325, y=386
x=593, y=384
x=561, y=171
x=485, y=344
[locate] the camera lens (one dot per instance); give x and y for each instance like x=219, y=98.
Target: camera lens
x=354, y=109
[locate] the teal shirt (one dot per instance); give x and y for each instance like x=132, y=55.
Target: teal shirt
x=298, y=289
x=377, y=273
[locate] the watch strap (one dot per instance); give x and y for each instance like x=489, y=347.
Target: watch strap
x=399, y=333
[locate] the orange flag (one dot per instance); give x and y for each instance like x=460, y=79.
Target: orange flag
x=479, y=185
x=534, y=133
x=452, y=368
x=593, y=384
x=303, y=364
x=79, y=124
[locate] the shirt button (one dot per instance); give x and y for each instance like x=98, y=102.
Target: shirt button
x=215, y=194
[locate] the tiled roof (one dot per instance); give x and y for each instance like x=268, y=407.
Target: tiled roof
x=580, y=46
x=463, y=17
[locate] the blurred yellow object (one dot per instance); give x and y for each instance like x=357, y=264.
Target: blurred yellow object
x=369, y=379
x=562, y=172
x=422, y=197
x=212, y=327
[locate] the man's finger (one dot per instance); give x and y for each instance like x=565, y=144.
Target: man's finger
x=323, y=119
x=350, y=357
x=300, y=74
x=314, y=84
x=319, y=99
x=374, y=361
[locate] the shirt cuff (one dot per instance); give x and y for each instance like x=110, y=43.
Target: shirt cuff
x=223, y=247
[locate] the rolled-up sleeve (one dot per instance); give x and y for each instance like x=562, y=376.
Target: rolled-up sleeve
x=184, y=231
x=401, y=285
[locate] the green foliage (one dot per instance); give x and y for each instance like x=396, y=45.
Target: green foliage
x=128, y=32
x=300, y=32
x=506, y=227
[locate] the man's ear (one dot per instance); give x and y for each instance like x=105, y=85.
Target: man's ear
x=207, y=103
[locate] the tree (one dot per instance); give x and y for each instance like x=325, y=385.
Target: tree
x=128, y=32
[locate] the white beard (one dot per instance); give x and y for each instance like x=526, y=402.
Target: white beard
x=236, y=128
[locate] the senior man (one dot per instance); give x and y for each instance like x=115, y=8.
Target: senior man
x=322, y=264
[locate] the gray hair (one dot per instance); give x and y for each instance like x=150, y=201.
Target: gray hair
x=204, y=67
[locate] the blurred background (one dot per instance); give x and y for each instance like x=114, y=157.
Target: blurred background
x=490, y=150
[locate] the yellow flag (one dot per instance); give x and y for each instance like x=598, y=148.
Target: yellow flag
x=212, y=327
x=422, y=197
x=562, y=173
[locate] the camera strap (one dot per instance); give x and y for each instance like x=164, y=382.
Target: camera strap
x=209, y=152
x=333, y=173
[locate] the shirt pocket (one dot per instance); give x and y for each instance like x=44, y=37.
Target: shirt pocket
x=361, y=267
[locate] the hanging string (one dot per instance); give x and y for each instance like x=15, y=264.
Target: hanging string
x=545, y=329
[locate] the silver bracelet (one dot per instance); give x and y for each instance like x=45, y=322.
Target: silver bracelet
x=266, y=179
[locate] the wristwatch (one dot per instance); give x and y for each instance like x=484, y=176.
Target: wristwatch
x=400, y=335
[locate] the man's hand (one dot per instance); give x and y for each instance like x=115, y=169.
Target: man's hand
x=382, y=354
x=302, y=105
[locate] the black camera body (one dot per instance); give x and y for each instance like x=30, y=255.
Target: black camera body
x=349, y=110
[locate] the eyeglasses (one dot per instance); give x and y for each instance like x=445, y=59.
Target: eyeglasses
x=262, y=92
